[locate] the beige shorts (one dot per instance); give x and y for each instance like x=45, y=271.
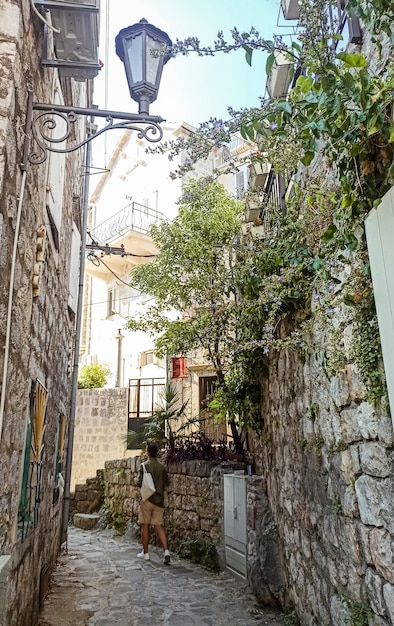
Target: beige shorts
x=149, y=513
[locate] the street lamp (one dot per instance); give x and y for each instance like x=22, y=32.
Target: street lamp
x=142, y=48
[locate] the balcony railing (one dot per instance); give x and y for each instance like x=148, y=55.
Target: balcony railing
x=133, y=217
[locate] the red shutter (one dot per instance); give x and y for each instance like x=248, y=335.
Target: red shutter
x=178, y=367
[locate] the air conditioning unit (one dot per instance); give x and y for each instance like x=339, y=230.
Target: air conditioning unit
x=291, y=9
x=76, y=42
x=279, y=80
x=252, y=208
x=259, y=172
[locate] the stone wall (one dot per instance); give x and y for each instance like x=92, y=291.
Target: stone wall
x=42, y=326
x=194, y=501
x=100, y=431
x=326, y=456
x=88, y=497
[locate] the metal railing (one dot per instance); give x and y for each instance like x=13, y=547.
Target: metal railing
x=144, y=397
x=133, y=217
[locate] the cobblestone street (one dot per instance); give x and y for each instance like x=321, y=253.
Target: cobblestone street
x=100, y=582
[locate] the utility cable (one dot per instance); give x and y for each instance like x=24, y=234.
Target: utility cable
x=41, y=17
x=107, y=250
x=93, y=258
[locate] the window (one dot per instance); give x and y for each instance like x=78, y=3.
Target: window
x=58, y=466
x=146, y=358
x=144, y=396
x=29, y=503
x=209, y=425
x=74, y=268
x=239, y=185
x=113, y=300
x=55, y=173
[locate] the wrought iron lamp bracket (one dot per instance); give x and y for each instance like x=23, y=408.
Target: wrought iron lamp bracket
x=44, y=119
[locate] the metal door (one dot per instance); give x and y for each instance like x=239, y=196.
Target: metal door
x=235, y=530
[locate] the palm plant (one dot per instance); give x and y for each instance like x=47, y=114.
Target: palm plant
x=168, y=422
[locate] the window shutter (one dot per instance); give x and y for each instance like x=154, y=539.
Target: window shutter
x=239, y=184
x=178, y=367
x=55, y=174
x=74, y=268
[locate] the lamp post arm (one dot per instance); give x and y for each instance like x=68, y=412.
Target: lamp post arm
x=50, y=125
x=93, y=112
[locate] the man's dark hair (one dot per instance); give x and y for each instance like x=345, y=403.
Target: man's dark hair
x=152, y=450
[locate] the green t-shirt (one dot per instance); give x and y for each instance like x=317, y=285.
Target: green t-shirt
x=160, y=478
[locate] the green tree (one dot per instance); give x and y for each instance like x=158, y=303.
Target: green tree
x=192, y=282
x=93, y=376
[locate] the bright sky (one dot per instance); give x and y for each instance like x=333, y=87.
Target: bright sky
x=193, y=88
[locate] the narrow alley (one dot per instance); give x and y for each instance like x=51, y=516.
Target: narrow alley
x=100, y=582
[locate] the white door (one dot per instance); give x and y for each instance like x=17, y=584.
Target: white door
x=235, y=531
x=379, y=228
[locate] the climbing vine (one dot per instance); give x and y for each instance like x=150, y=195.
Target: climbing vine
x=337, y=119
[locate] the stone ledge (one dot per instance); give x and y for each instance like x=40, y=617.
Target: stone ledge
x=86, y=521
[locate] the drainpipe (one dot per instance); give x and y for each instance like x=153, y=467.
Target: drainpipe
x=119, y=338
x=77, y=342
x=10, y=299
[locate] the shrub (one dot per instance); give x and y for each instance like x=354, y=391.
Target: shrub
x=197, y=447
x=93, y=376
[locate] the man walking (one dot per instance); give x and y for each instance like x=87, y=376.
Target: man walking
x=151, y=511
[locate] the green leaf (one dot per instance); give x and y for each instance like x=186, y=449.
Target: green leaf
x=353, y=60
x=296, y=46
x=349, y=300
x=248, y=132
x=391, y=172
x=248, y=53
x=355, y=150
x=269, y=45
x=332, y=68
x=391, y=138
x=284, y=105
x=307, y=158
x=351, y=241
x=347, y=201
x=329, y=234
x=365, y=79
x=269, y=64
x=348, y=80
x=304, y=84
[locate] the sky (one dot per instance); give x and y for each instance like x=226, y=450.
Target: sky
x=193, y=88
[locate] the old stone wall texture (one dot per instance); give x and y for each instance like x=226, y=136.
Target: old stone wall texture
x=193, y=505
x=42, y=326
x=326, y=455
x=100, y=431
x=88, y=497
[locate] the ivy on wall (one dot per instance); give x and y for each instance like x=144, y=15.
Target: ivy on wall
x=334, y=133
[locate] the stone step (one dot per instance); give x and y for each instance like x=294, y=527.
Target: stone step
x=86, y=521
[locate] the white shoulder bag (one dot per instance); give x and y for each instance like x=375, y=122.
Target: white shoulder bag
x=148, y=486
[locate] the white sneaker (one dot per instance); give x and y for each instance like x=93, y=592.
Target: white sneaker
x=143, y=555
x=167, y=557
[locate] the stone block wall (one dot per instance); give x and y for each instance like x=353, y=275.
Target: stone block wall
x=41, y=326
x=194, y=501
x=326, y=455
x=89, y=496
x=100, y=431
